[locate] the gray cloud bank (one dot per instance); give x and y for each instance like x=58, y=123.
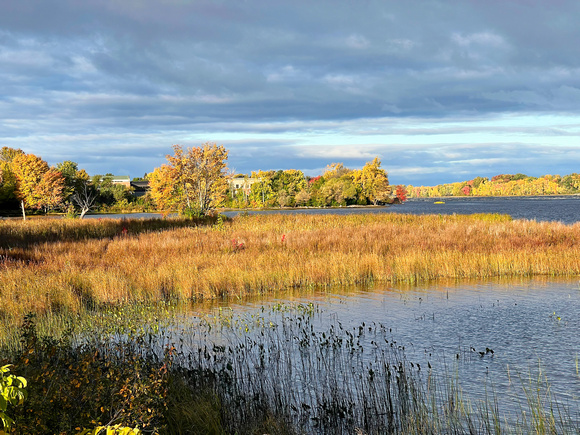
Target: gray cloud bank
x=113, y=84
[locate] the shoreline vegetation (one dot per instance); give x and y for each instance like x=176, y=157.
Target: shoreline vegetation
x=194, y=182
x=216, y=211
x=98, y=297
x=128, y=213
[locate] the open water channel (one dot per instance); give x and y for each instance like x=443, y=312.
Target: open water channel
x=565, y=209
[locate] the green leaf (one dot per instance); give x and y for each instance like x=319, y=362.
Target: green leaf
x=6, y=421
x=23, y=382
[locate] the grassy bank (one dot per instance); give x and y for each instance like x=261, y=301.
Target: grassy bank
x=51, y=266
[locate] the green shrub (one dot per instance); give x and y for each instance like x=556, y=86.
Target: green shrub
x=12, y=392
x=95, y=383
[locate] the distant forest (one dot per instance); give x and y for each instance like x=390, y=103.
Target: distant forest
x=502, y=185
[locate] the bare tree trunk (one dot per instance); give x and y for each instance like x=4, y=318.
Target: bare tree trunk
x=85, y=199
x=23, y=212
x=187, y=195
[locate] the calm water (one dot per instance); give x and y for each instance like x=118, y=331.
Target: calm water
x=546, y=208
x=532, y=326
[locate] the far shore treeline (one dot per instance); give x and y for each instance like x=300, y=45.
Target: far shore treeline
x=502, y=185
x=197, y=180
x=192, y=182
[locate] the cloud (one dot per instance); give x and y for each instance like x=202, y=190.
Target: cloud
x=96, y=77
x=357, y=42
x=483, y=38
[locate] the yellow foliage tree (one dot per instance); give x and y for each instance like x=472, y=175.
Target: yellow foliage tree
x=373, y=182
x=7, y=178
x=7, y=182
x=164, y=191
x=335, y=170
x=194, y=181
x=262, y=193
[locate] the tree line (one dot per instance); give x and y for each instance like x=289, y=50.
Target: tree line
x=337, y=186
x=197, y=179
x=502, y=185
x=28, y=183
x=193, y=182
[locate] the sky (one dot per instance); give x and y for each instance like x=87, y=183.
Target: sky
x=441, y=91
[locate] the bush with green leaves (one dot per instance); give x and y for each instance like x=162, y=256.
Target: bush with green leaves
x=112, y=430
x=90, y=384
x=12, y=392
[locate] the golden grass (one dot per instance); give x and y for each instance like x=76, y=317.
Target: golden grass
x=248, y=256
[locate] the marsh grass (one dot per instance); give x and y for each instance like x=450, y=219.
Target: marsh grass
x=50, y=266
x=112, y=288
x=24, y=234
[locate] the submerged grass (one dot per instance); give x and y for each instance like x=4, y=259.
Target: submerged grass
x=51, y=266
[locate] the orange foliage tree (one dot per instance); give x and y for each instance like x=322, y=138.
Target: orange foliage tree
x=37, y=185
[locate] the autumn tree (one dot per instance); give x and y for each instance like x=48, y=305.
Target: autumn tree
x=262, y=193
x=37, y=185
x=162, y=186
x=570, y=183
x=290, y=181
x=8, y=154
x=7, y=177
x=75, y=179
x=373, y=182
x=401, y=193
x=7, y=184
x=79, y=190
x=337, y=191
x=193, y=181
x=335, y=170
x=110, y=193
x=283, y=198
x=302, y=197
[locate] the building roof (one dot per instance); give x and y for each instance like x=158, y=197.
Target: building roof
x=123, y=178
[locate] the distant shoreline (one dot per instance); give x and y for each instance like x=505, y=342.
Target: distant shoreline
x=560, y=195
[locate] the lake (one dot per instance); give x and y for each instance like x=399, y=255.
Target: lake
x=565, y=209
x=526, y=322
x=541, y=208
